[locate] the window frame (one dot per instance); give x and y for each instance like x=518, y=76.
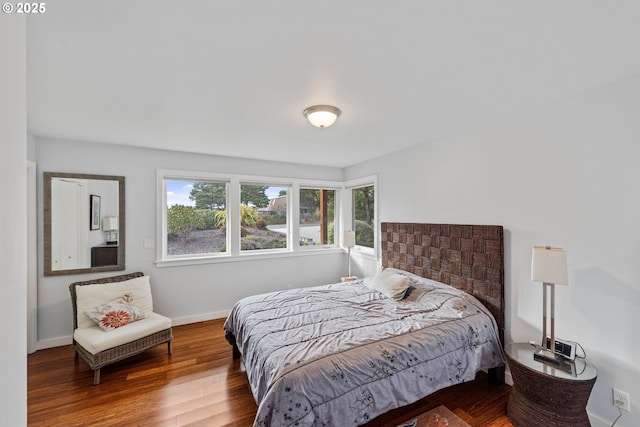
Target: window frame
x=234, y=182
x=348, y=213
x=162, y=249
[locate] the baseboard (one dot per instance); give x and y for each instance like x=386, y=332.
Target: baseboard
x=599, y=422
x=54, y=342
x=68, y=340
x=177, y=321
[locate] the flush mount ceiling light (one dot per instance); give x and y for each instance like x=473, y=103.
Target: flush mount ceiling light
x=321, y=116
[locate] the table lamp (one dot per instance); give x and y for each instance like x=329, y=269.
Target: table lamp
x=110, y=227
x=549, y=266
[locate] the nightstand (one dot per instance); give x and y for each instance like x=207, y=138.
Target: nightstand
x=544, y=394
x=104, y=255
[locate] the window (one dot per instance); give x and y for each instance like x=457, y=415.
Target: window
x=263, y=217
x=196, y=214
x=206, y=217
x=363, y=202
x=317, y=217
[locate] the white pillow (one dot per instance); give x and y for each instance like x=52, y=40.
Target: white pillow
x=392, y=285
x=91, y=296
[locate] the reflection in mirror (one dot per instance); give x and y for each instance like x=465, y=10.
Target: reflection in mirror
x=83, y=223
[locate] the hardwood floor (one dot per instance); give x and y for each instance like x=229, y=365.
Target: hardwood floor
x=198, y=385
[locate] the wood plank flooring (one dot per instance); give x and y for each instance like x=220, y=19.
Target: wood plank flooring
x=198, y=385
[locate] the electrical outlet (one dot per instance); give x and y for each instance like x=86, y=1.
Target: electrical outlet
x=621, y=399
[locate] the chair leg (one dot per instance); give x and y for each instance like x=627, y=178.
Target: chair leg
x=96, y=376
x=169, y=347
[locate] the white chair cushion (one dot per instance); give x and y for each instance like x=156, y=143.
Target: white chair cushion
x=88, y=297
x=96, y=340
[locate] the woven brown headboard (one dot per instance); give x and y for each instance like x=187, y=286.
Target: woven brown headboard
x=467, y=257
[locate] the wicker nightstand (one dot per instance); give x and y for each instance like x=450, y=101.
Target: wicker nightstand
x=546, y=395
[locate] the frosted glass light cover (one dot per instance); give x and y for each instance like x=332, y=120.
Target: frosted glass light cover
x=322, y=119
x=322, y=116
x=549, y=265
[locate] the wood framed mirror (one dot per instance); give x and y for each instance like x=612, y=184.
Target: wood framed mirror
x=84, y=223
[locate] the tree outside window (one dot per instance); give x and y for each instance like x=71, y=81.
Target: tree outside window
x=363, y=215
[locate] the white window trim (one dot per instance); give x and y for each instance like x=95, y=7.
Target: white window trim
x=233, y=217
x=161, y=211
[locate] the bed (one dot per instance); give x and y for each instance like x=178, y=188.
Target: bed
x=342, y=354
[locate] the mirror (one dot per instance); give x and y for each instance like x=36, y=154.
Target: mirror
x=84, y=224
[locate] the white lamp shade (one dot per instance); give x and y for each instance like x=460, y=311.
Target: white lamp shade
x=349, y=238
x=322, y=116
x=110, y=223
x=549, y=265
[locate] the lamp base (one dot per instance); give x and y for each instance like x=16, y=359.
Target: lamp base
x=548, y=356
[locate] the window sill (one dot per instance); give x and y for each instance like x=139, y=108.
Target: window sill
x=245, y=256
x=363, y=252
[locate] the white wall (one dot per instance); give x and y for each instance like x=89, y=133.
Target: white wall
x=13, y=220
x=566, y=175
x=184, y=293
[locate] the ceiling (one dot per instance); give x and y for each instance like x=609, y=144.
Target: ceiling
x=233, y=77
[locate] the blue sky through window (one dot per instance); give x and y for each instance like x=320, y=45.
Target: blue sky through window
x=178, y=193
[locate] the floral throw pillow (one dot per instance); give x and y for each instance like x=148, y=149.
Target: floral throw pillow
x=115, y=314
